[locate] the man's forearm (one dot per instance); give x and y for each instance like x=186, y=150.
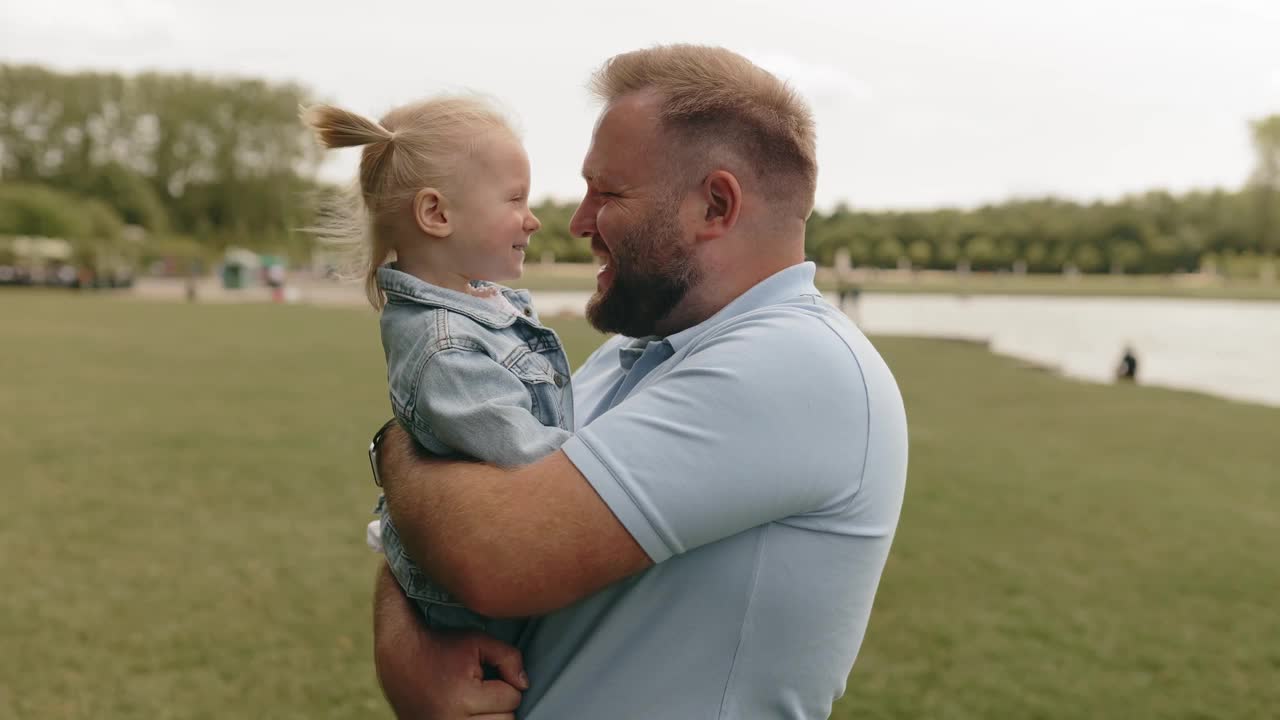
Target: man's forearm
x=506, y=542
x=390, y=608
x=439, y=509
x=388, y=599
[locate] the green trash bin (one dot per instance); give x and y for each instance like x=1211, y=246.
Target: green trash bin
x=233, y=277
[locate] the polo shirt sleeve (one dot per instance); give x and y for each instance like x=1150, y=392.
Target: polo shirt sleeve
x=764, y=420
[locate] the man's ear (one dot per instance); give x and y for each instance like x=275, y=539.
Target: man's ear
x=431, y=213
x=720, y=196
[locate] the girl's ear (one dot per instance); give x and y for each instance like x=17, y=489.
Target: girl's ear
x=431, y=213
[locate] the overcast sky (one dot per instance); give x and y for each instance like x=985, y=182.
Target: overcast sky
x=919, y=102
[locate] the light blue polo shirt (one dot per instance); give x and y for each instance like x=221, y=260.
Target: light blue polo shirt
x=759, y=458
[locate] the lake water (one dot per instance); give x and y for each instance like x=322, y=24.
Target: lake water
x=1226, y=348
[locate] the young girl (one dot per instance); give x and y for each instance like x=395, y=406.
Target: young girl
x=444, y=186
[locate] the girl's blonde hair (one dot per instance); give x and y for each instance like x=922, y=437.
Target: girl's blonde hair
x=412, y=147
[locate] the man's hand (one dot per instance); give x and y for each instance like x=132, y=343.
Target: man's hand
x=439, y=675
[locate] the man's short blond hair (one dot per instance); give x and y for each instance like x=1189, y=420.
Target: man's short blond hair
x=712, y=98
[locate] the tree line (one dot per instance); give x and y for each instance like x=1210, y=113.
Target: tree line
x=199, y=163
x=195, y=162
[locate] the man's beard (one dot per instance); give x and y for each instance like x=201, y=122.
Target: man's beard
x=652, y=272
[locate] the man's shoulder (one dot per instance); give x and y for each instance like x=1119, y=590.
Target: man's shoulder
x=804, y=358
x=809, y=335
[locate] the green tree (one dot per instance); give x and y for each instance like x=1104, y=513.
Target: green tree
x=981, y=252
x=1088, y=258
x=42, y=211
x=1266, y=183
x=1124, y=255
x=223, y=159
x=888, y=250
x=920, y=252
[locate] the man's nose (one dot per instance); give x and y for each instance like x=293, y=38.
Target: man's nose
x=582, y=224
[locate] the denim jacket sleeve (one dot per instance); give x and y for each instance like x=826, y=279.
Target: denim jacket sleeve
x=479, y=408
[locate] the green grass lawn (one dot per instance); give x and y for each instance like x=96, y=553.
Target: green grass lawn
x=184, y=489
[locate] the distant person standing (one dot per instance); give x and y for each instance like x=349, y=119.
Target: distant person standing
x=275, y=281
x=193, y=271
x=850, y=293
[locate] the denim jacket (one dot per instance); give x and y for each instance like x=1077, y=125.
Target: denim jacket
x=472, y=378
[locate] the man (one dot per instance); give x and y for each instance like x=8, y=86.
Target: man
x=709, y=543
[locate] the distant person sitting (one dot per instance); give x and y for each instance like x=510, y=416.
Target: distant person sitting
x=1127, y=370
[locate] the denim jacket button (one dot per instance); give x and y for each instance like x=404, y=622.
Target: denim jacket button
x=528, y=312
x=559, y=380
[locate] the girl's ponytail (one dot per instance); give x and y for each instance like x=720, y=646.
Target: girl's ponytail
x=338, y=128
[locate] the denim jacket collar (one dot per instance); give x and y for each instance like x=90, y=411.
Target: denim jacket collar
x=408, y=287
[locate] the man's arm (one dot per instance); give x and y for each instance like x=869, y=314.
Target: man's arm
x=729, y=439
x=509, y=542
x=434, y=675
